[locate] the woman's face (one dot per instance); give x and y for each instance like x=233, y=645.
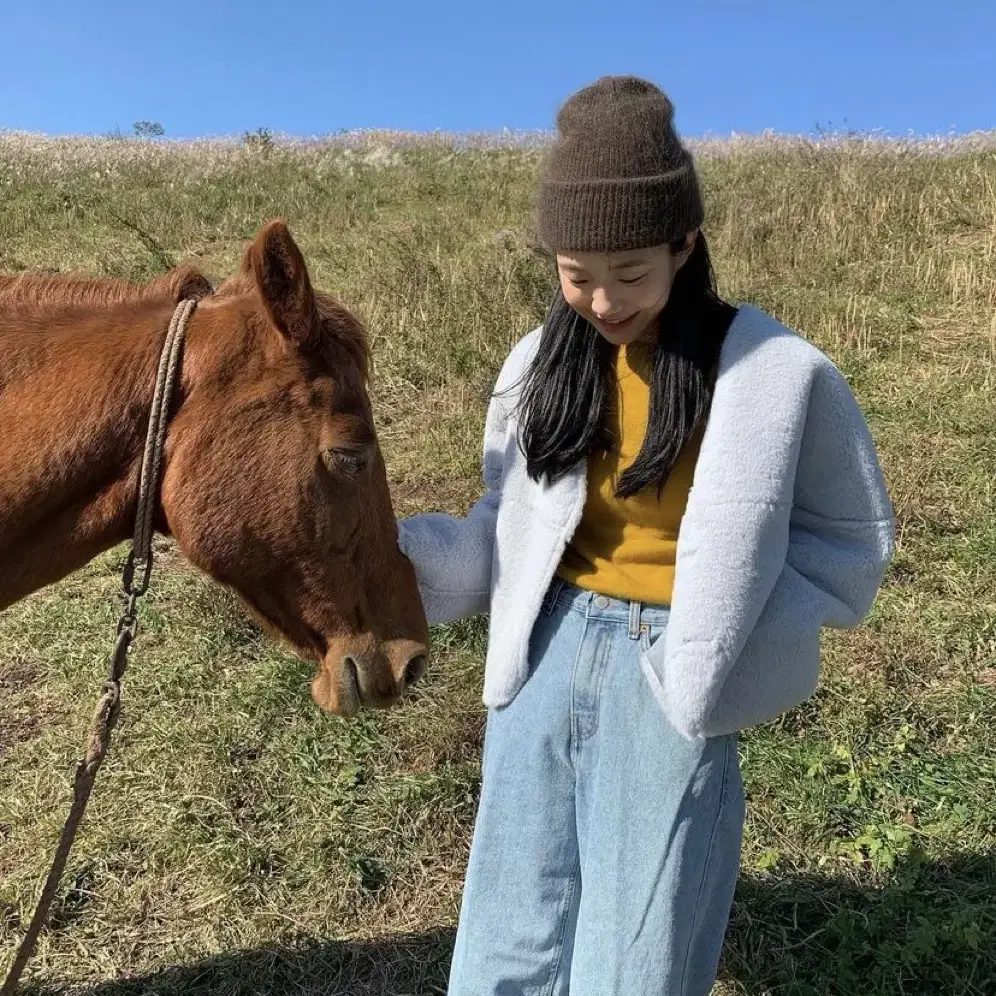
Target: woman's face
x=621, y=293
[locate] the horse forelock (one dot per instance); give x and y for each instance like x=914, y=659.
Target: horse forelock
x=340, y=327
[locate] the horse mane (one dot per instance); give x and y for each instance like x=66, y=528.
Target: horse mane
x=45, y=291
x=67, y=290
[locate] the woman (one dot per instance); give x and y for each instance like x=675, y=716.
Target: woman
x=680, y=494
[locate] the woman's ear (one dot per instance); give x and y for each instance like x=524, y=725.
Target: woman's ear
x=682, y=256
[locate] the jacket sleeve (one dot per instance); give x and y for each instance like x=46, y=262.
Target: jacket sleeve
x=452, y=555
x=841, y=530
x=840, y=539
x=833, y=569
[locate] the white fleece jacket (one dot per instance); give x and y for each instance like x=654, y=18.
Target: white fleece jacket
x=788, y=528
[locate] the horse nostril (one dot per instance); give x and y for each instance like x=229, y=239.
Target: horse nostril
x=351, y=669
x=415, y=669
x=350, y=684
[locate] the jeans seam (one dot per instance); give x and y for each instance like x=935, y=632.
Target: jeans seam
x=603, y=652
x=565, y=915
x=723, y=799
x=575, y=734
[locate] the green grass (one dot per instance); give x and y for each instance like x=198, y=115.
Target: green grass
x=239, y=841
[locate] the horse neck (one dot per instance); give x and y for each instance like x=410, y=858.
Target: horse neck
x=75, y=395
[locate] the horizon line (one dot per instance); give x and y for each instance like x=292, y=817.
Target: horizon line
x=513, y=136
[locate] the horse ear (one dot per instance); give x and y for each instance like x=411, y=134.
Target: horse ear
x=282, y=278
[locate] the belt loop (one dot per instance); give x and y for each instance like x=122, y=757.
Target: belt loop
x=635, y=609
x=550, y=598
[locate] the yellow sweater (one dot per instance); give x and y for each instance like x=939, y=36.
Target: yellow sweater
x=625, y=548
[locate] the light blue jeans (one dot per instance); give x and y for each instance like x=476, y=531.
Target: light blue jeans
x=607, y=845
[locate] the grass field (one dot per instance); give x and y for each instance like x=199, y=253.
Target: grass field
x=241, y=842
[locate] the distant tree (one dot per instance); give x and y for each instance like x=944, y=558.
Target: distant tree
x=148, y=129
x=260, y=140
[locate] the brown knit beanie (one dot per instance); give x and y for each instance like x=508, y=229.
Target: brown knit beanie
x=617, y=176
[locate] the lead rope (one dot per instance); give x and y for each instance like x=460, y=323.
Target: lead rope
x=108, y=708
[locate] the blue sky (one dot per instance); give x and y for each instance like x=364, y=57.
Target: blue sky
x=307, y=67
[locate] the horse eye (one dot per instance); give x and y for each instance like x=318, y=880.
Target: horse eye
x=345, y=460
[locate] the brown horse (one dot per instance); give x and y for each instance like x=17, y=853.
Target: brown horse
x=273, y=481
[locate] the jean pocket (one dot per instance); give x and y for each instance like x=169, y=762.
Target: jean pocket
x=648, y=636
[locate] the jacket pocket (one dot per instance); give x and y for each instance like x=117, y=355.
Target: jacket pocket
x=779, y=665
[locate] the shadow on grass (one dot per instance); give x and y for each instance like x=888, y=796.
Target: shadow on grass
x=403, y=965
x=930, y=929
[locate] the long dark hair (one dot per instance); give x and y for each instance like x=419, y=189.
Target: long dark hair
x=565, y=394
